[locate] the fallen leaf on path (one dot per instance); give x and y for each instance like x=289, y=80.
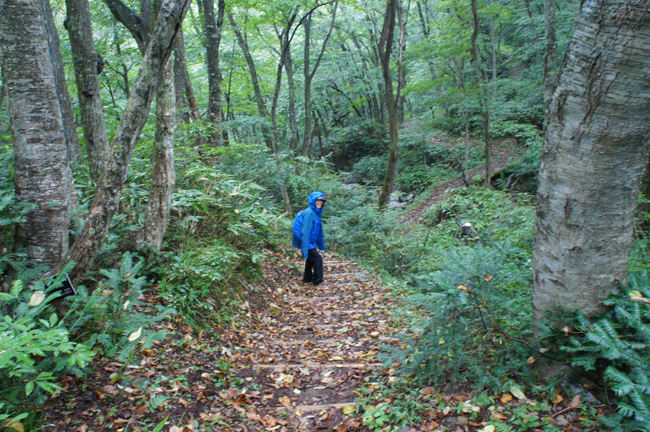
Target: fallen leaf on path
x=507, y=397
x=285, y=401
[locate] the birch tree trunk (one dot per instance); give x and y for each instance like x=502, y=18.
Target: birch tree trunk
x=163, y=176
x=42, y=170
x=63, y=96
x=594, y=153
x=84, y=58
x=106, y=200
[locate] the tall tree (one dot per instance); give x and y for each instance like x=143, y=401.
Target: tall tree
x=550, y=48
x=63, y=96
x=595, y=150
x=261, y=105
x=86, y=63
x=106, y=200
x=385, y=48
x=309, y=72
x=42, y=171
x=482, y=81
x=163, y=175
x=213, y=26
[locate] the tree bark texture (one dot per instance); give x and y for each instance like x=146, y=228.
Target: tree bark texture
x=213, y=27
x=69, y=127
x=84, y=58
x=594, y=153
x=42, y=169
x=106, y=200
x=163, y=176
x=186, y=84
x=385, y=47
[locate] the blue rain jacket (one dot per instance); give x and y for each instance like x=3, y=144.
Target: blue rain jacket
x=312, y=227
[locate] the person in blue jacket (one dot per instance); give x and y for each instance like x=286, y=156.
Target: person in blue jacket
x=310, y=238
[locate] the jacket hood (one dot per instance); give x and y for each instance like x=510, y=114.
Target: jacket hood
x=312, y=201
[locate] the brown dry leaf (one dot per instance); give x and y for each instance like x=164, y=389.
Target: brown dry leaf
x=141, y=409
x=100, y=395
x=183, y=402
x=426, y=391
x=531, y=360
x=558, y=398
x=174, y=429
x=464, y=288
x=111, y=390
x=285, y=401
x=566, y=331
x=499, y=416
x=575, y=402
x=270, y=421
x=487, y=278
x=507, y=397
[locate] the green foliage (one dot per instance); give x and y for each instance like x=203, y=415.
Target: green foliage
x=616, y=347
x=360, y=139
x=202, y=283
x=35, y=347
x=110, y=318
x=369, y=170
x=479, y=293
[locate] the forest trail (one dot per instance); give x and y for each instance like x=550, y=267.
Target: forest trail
x=295, y=361
x=415, y=215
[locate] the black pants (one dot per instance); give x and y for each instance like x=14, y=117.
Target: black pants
x=313, y=267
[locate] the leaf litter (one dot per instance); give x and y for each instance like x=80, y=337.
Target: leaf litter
x=302, y=358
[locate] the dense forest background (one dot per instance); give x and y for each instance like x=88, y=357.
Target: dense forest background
x=161, y=149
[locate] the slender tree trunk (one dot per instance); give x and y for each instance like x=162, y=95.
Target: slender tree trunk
x=163, y=176
x=63, y=96
x=493, y=51
x=85, y=61
x=186, y=83
x=385, y=47
x=482, y=81
x=595, y=150
x=213, y=27
x=106, y=200
x=42, y=169
x=309, y=73
x=179, y=84
x=254, y=78
x=293, y=118
x=550, y=60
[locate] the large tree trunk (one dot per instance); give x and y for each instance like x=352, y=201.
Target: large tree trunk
x=163, y=176
x=385, y=47
x=261, y=106
x=85, y=61
x=186, y=83
x=595, y=150
x=69, y=127
x=42, y=169
x=106, y=200
x=213, y=27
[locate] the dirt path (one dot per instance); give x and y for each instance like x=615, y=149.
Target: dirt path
x=294, y=362
x=415, y=216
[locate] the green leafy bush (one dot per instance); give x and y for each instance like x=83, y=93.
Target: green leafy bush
x=203, y=281
x=613, y=347
x=369, y=170
x=35, y=348
x=466, y=306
